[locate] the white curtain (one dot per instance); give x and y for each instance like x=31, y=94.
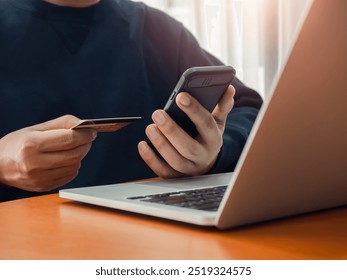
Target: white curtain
x=254, y=36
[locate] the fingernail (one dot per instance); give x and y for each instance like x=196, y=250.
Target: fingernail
x=143, y=147
x=184, y=100
x=159, y=117
x=153, y=132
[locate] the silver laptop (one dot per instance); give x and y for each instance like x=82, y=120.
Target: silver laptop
x=295, y=160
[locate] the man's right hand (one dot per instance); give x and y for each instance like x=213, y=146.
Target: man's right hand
x=44, y=156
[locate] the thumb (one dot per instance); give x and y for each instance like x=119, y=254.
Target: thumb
x=224, y=107
x=64, y=122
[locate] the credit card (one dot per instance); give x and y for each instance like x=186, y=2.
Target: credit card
x=105, y=124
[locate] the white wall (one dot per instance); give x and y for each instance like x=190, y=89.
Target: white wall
x=254, y=36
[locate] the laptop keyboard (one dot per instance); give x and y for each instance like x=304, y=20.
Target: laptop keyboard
x=207, y=199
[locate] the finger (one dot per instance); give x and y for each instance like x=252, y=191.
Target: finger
x=167, y=151
x=55, y=174
x=50, y=179
x=64, y=158
x=204, y=122
x=159, y=166
x=63, y=181
x=224, y=107
x=63, y=139
x=187, y=146
x=56, y=183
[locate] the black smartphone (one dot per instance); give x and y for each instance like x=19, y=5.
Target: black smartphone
x=206, y=84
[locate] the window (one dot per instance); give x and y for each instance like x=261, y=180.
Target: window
x=254, y=36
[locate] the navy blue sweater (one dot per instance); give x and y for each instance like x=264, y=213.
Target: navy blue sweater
x=116, y=58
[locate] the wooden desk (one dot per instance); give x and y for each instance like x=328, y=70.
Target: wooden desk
x=49, y=227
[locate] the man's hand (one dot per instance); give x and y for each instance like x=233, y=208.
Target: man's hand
x=44, y=156
x=183, y=155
